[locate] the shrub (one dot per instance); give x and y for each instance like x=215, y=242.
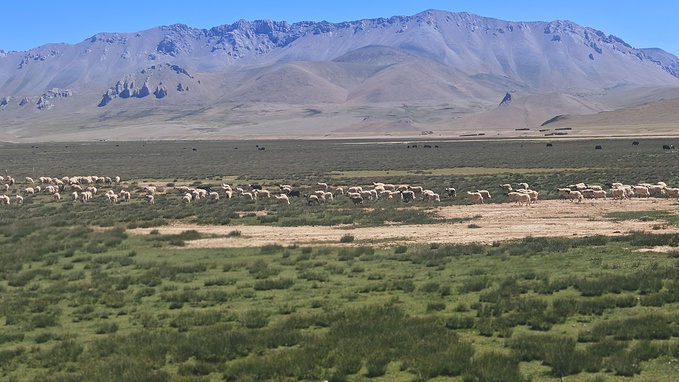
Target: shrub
x=436, y=306
x=347, y=238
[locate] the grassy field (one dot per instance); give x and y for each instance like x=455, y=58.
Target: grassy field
x=82, y=299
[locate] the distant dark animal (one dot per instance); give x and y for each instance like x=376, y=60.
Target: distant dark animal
x=261, y=148
x=549, y=145
x=255, y=186
x=357, y=199
x=427, y=146
x=451, y=192
x=295, y=193
x=668, y=147
x=408, y=195
x=597, y=147
x=635, y=143
x=414, y=146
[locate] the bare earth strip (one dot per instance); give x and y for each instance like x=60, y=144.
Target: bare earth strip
x=496, y=222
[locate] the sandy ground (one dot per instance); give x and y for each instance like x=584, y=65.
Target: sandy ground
x=495, y=222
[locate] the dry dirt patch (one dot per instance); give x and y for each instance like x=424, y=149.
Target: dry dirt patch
x=490, y=223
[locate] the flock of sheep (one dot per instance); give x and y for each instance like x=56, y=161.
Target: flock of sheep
x=619, y=191
x=85, y=188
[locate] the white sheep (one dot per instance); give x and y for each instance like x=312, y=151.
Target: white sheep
x=431, y=196
x=339, y=191
x=282, y=199
x=475, y=197
x=262, y=194
x=151, y=199
x=311, y=199
x=506, y=188
x=323, y=186
x=214, y=196
x=328, y=197
x=56, y=196
x=29, y=180
x=125, y=196
x=522, y=186
x=619, y=193
x=4, y=199
x=20, y=199
x=186, y=199
x=29, y=191
x=599, y=194
x=575, y=195
x=74, y=195
x=484, y=193
x=641, y=191
x=672, y=192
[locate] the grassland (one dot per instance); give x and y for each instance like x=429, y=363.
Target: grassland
x=83, y=299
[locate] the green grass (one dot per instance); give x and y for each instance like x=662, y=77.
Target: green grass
x=82, y=299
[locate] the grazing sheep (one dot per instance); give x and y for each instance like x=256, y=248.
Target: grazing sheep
x=85, y=196
x=29, y=191
x=599, y=194
x=323, y=186
x=533, y=195
x=4, y=199
x=619, y=193
x=520, y=197
x=355, y=189
x=214, y=196
x=150, y=190
x=111, y=198
x=522, y=186
x=117, y=179
x=29, y=180
x=74, y=195
x=20, y=199
x=328, y=197
x=228, y=194
x=151, y=199
x=125, y=196
x=282, y=199
x=263, y=194
x=672, y=192
x=475, y=197
x=311, y=199
x=56, y=196
x=339, y=191
x=575, y=195
x=451, y=192
x=506, y=188
x=431, y=196
x=656, y=190
x=484, y=193
x=514, y=196
x=356, y=198
x=248, y=196
x=416, y=188
x=641, y=191
x=226, y=187
x=186, y=199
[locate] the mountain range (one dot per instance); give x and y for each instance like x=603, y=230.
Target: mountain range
x=435, y=72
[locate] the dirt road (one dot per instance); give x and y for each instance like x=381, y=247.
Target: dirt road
x=490, y=223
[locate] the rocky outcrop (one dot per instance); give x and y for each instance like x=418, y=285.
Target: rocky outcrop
x=506, y=100
x=154, y=77
x=160, y=91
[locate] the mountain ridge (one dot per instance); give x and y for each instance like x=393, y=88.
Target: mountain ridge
x=463, y=61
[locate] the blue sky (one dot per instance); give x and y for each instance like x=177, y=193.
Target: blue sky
x=27, y=24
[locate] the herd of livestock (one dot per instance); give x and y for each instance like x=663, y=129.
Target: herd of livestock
x=85, y=188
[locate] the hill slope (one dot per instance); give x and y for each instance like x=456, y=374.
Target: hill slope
x=438, y=70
